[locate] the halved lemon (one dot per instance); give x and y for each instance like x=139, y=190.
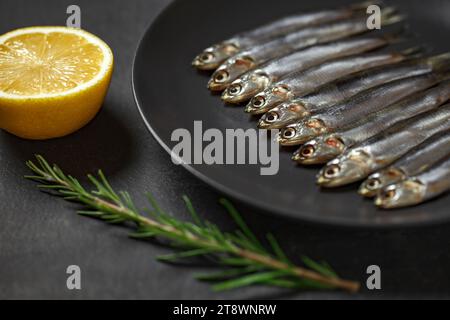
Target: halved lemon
x=53, y=80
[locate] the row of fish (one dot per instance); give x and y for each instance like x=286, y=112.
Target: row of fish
x=366, y=114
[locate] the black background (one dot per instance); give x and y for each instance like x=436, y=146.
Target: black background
x=41, y=235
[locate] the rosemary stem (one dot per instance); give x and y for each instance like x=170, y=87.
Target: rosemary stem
x=350, y=286
x=196, y=237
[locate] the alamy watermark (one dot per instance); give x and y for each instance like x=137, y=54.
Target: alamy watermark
x=73, y=281
x=74, y=18
x=373, y=282
x=374, y=20
x=234, y=146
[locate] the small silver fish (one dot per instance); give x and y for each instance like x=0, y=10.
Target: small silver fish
x=255, y=56
x=327, y=147
x=257, y=80
x=359, y=106
x=301, y=83
x=339, y=90
x=412, y=163
x=417, y=189
x=383, y=149
x=213, y=56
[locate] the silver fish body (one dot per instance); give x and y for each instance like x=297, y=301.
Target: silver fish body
x=415, y=161
x=326, y=147
x=339, y=90
x=301, y=83
x=383, y=149
x=252, y=82
x=213, y=56
x=417, y=189
x=355, y=108
x=255, y=56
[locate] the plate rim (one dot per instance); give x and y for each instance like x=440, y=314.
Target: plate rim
x=269, y=210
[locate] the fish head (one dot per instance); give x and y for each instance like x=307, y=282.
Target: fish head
x=379, y=180
x=282, y=115
x=300, y=132
x=320, y=150
x=268, y=99
x=220, y=79
x=344, y=170
x=212, y=57
x=229, y=71
x=404, y=193
x=245, y=87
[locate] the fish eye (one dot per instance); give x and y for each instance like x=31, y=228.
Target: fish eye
x=258, y=101
x=307, y=151
x=271, y=117
x=332, y=170
x=234, y=89
x=221, y=76
x=288, y=133
x=388, y=194
x=373, y=183
x=206, y=57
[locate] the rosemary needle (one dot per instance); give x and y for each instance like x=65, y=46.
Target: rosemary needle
x=242, y=257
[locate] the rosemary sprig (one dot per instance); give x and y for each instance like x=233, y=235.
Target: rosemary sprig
x=244, y=260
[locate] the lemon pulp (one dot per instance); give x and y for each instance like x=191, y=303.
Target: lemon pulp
x=52, y=80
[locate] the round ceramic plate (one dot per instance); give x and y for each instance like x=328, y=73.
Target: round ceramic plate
x=171, y=94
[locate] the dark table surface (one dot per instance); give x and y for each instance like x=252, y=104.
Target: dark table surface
x=41, y=235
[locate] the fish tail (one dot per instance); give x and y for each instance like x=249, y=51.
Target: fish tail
x=390, y=15
x=440, y=62
x=413, y=52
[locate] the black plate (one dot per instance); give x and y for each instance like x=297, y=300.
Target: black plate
x=171, y=94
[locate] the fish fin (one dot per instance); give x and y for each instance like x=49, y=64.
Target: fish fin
x=440, y=62
x=390, y=15
x=390, y=10
x=413, y=52
x=392, y=19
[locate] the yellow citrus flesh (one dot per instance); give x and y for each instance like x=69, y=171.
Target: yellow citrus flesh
x=53, y=80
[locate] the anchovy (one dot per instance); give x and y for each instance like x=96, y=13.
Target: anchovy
x=383, y=149
x=355, y=108
x=213, y=56
x=417, y=189
x=327, y=147
x=252, y=82
x=301, y=83
x=339, y=90
x=255, y=56
x=412, y=163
